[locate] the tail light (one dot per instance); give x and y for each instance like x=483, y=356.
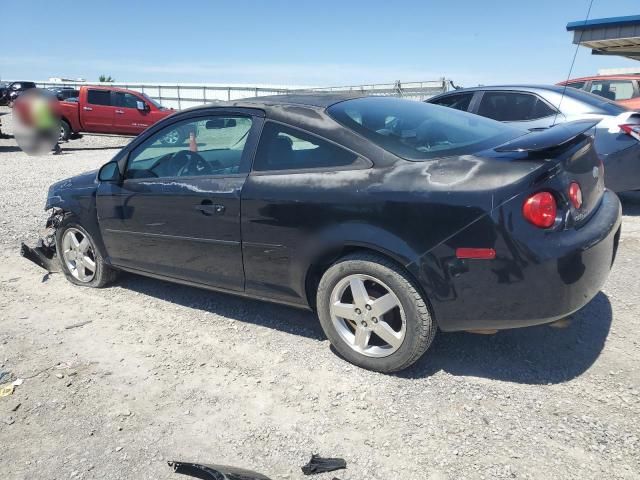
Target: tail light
x=632, y=130
x=540, y=209
x=575, y=195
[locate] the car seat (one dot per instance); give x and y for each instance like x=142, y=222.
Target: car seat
x=280, y=153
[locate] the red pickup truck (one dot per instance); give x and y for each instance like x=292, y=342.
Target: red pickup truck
x=113, y=110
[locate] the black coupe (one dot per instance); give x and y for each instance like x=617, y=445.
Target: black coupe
x=391, y=218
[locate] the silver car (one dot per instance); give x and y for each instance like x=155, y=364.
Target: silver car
x=534, y=107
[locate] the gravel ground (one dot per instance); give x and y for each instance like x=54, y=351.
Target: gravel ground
x=169, y=372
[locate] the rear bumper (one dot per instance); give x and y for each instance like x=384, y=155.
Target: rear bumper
x=532, y=280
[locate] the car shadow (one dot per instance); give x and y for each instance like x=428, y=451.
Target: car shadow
x=9, y=148
x=533, y=355
x=277, y=317
x=630, y=203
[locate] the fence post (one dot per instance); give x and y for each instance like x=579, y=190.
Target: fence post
x=179, y=100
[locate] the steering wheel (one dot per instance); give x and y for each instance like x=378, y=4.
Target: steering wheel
x=190, y=164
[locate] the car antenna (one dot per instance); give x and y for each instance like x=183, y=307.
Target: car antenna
x=575, y=54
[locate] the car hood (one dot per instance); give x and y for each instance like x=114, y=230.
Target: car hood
x=65, y=190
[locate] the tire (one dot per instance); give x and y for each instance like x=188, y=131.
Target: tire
x=65, y=131
x=409, y=315
x=173, y=138
x=101, y=275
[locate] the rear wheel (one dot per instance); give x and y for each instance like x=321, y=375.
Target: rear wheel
x=373, y=314
x=81, y=261
x=65, y=131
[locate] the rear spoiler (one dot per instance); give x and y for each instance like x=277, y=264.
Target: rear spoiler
x=548, y=139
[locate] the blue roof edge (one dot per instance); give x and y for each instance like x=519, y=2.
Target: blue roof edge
x=603, y=22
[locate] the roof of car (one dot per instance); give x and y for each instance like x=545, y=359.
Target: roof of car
x=108, y=87
x=275, y=106
x=320, y=100
x=626, y=76
x=529, y=87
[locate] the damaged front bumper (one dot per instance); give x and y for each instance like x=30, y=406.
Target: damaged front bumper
x=44, y=252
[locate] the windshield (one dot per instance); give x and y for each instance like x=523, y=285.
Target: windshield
x=153, y=102
x=419, y=131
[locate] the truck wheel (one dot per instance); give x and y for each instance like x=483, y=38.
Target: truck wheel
x=65, y=131
x=173, y=137
x=81, y=261
x=373, y=314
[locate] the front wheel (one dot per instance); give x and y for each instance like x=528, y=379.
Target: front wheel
x=373, y=314
x=81, y=261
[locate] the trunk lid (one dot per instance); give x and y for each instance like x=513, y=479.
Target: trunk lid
x=548, y=139
x=570, y=153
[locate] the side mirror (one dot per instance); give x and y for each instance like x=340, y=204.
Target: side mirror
x=140, y=105
x=109, y=172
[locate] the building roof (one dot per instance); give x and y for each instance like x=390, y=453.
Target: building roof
x=609, y=36
x=604, y=22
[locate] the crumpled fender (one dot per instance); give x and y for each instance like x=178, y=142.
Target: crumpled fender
x=77, y=196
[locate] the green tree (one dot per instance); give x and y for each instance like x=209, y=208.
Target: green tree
x=106, y=78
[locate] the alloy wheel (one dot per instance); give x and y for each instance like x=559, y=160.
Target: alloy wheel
x=367, y=315
x=79, y=255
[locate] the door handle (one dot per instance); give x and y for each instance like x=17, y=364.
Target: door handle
x=119, y=111
x=87, y=108
x=208, y=208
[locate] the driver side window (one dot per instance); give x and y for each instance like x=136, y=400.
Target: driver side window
x=211, y=145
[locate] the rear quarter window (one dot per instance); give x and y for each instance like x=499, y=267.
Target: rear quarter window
x=99, y=97
x=285, y=148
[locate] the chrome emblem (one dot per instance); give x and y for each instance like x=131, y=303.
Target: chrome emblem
x=595, y=172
